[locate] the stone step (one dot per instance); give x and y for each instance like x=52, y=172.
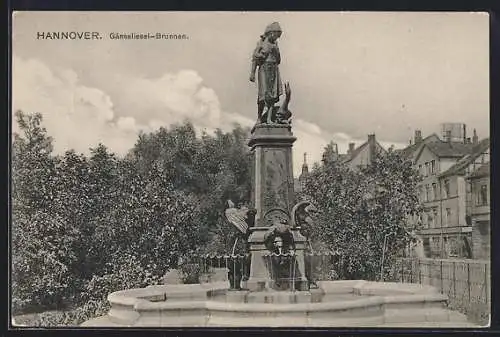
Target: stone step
x=102, y=321
x=431, y=315
x=291, y=321
x=430, y=325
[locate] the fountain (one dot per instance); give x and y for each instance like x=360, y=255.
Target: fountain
x=270, y=286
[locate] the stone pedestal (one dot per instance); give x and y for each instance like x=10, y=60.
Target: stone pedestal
x=273, y=171
x=273, y=197
x=259, y=275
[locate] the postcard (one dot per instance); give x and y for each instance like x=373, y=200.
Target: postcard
x=250, y=169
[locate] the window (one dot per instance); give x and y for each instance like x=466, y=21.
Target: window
x=420, y=169
x=447, y=217
x=427, y=192
x=482, y=196
x=454, y=246
x=430, y=220
x=433, y=166
x=435, y=215
x=436, y=246
x=447, y=188
x=427, y=169
x=434, y=191
x=446, y=247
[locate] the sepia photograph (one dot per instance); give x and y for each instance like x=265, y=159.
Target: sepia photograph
x=250, y=169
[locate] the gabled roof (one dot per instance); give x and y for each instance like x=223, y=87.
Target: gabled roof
x=446, y=149
x=355, y=152
x=409, y=150
x=450, y=149
x=461, y=165
x=482, y=171
x=349, y=156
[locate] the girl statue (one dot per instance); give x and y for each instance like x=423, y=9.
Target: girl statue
x=266, y=57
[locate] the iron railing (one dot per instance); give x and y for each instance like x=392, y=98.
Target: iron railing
x=319, y=266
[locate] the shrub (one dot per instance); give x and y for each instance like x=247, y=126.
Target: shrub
x=74, y=317
x=190, y=270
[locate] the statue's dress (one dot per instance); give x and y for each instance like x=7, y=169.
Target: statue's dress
x=267, y=57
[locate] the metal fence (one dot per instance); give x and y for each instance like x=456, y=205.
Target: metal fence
x=467, y=283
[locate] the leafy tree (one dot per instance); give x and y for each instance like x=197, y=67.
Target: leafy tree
x=210, y=168
x=84, y=226
x=41, y=239
x=359, y=209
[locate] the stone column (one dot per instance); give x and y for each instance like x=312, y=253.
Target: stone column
x=273, y=193
x=273, y=170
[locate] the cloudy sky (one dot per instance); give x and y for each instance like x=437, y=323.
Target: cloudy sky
x=351, y=74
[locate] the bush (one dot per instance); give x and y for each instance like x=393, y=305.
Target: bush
x=364, y=213
x=42, y=260
x=190, y=270
x=74, y=317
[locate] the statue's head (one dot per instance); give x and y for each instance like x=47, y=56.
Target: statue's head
x=273, y=31
x=278, y=242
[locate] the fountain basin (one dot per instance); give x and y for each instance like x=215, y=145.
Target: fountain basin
x=333, y=304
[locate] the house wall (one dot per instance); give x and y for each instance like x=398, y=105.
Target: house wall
x=467, y=229
x=480, y=218
x=445, y=234
x=431, y=216
x=446, y=163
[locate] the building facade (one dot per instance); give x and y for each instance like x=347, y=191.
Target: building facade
x=443, y=200
x=447, y=185
x=480, y=209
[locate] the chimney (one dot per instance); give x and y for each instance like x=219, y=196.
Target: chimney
x=351, y=148
x=418, y=136
x=475, y=138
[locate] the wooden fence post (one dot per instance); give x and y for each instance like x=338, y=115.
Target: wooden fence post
x=486, y=282
x=411, y=271
x=402, y=271
x=431, y=268
x=468, y=279
x=419, y=272
x=454, y=280
x=441, y=275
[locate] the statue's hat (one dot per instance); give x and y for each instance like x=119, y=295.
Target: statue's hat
x=273, y=27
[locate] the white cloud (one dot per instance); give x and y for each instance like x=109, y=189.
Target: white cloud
x=79, y=117
x=173, y=97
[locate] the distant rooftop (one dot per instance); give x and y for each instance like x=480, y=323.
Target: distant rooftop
x=450, y=149
x=474, y=152
x=349, y=156
x=482, y=171
x=409, y=150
